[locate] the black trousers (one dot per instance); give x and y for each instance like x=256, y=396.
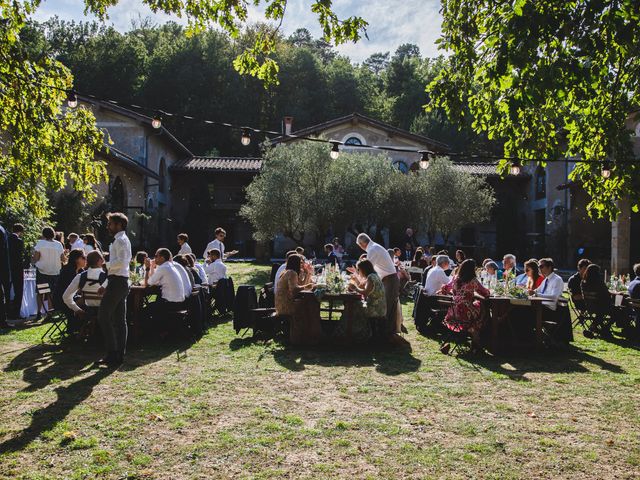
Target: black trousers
x=17, y=280
x=112, y=316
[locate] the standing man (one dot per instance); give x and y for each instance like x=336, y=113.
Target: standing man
x=5, y=277
x=112, y=316
x=218, y=243
x=16, y=262
x=386, y=270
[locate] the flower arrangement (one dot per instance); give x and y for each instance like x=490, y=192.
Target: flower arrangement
x=135, y=277
x=335, y=283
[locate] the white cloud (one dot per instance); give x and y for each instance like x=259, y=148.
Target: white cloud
x=391, y=22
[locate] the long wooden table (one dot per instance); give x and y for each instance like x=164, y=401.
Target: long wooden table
x=499, y=311
x=136, y=301
x=309, y=306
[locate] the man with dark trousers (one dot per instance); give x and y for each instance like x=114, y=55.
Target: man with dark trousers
x=16, y=265
x=112, y=316
x=5, y=276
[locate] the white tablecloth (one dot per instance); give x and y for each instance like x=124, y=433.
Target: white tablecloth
x=29, y=303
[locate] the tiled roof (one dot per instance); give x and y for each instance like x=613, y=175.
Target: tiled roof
x=219, y=164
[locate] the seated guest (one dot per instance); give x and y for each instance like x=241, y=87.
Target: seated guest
x=419, y=261
x=490, y=272
x=509, y=266
x=162, y=272
x=372, y=290
x=332, y=258
x=75, y=241
x=599, y=302
x=183, y=243
x=634, y=285
x=281, y=269
x=551, y=287
x=300, y=251
x=437, y=278
x=302, y=330
x=192, y=273
x=187, y=279
x=77, y=262
x=574, y=285
x=465, y=313
x=408, y=252
x=397, y=253
x=338, y=249
x=141, y=260
x=88, y=285
x=90, y=243
x=460, y=256
x=532, y=270
x=201, y=273
x=426, y=271
x=214, y=268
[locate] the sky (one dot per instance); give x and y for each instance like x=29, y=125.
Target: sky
x=391, y=22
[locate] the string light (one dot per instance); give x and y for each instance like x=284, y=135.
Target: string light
x=424, y=160
x=157, y=121
x=606, y=169
x=335, y=150
x=72, y=99
x=246, y=137
x=515, y=169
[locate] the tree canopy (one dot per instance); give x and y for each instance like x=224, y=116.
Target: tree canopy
x=302, y=191
x=42, y=146
x=551, y=80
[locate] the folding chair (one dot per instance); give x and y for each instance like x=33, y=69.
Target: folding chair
x=598, y=316
x=632, y=327
x=455, y=331
x=583, y=317
x=558, y=330
x=57, y=331
x=245, y=301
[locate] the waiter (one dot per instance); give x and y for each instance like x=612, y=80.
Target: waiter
x=112, y=316
x=386, y=270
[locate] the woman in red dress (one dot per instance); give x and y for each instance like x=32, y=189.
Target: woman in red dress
x=465, y=313
x=532, y=270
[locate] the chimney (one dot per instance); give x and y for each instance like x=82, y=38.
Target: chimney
x=288, y=123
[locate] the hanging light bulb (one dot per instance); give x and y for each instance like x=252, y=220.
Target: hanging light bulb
x=515, y=169
x=157, y=121
x=72, y=99
x=335, y=150
x=424, y=160
x=246, y=137
x=606, y=169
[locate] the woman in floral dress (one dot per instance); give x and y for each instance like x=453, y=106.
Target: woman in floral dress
x=465, y=313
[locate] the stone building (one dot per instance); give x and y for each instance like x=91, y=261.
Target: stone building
x=138, y=162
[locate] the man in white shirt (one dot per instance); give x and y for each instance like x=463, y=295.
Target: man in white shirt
x=220, y=235
x=200, y=268
x=112, y=316
x=163, y=273
x=187, y=285
x=215, y=268
x=183, y=242
x=552, y=286
x=47, y=257
x=89, y=284
x=386, y=270
x=75, y=241
x=437, y=278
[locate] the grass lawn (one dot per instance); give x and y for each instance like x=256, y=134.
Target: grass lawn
x=230, y=408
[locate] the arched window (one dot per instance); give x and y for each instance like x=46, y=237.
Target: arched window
x=401, y=165
x=541, y=183
x=162, y=171
x=117, y=195
x=353, y=141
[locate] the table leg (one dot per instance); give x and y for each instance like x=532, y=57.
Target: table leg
x=539, y=313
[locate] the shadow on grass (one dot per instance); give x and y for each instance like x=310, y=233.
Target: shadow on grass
x=515, y=367
x=386, y=361
x=43, y=364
